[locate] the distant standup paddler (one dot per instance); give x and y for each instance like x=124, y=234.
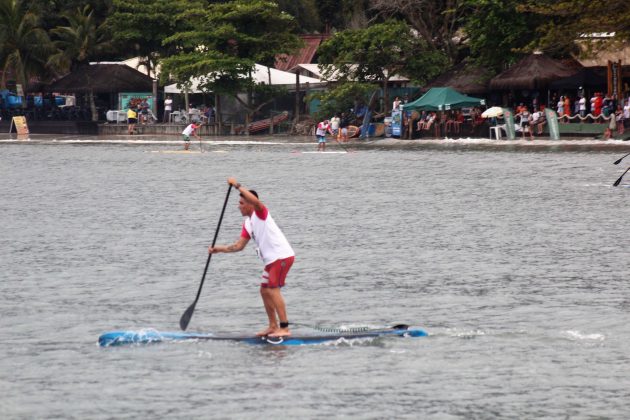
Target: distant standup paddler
x=273, y=249
x=191, y=130
x=322, y=128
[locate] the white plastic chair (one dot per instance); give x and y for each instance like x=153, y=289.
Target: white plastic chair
x=497, y=132
x=175, y=116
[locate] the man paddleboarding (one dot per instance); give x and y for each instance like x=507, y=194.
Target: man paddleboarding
x=322, y=128
x=273, y=249
x=190, y=130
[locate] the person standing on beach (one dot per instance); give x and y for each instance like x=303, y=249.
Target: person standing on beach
x=334, y=126
x=273, y=249
x=343, y=127
x=526, y=119
x=132, y=120
x=168, y=107
x=396, y=104
x=582, y=107
x=322, y=128
x=191, y=130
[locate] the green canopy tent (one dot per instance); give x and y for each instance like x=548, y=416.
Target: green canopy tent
x=442, y=99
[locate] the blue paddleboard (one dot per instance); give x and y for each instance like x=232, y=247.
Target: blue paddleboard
x=149, y=336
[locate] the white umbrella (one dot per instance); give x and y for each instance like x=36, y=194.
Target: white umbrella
x=495, y=111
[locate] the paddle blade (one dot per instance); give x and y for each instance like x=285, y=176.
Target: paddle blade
x=185, y=319
x=400, y=327
x=619, y=180
x=618, y=161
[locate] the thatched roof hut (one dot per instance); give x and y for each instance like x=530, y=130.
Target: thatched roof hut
x=464, y=77
x=535, y=71
x=103, y=78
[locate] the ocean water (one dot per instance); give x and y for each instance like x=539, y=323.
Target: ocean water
x=515, y=261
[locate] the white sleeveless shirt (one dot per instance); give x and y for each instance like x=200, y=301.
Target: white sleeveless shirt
x=271, y=243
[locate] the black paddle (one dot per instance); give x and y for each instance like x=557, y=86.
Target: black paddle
x=340, y=144
x=619, y=180
x=185, y=319
x=618, y=161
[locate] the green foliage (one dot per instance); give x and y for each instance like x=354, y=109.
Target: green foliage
x=139, y=27
x=51, y=11
x=223, y=41
x=24, y=46
x=334, y=14
x=305, y=14
x=567, y=21
x=438, y=22
x=343, y=97
x=376, y=53
x=497, y=32
x=79, y=41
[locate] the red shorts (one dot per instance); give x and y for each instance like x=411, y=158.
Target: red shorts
x=275, y=273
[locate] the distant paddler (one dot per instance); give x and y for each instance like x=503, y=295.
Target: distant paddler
x=272, y=248
x=191, y=130
x=322, y=128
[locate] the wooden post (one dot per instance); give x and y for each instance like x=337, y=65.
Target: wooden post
x=296, y=113
x=619, y=79
x=609, y=77
x=217, y=113
x=155, y=99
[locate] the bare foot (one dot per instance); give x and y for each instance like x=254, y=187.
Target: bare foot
x=280, y=332
x=265, y=332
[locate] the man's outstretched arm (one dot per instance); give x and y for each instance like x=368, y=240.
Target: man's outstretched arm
x=235, y=247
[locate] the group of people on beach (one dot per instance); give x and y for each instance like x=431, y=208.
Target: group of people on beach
x=138, y=112
x=600, y=108
x=598, y=104
x=337, y=127
x=451, y=120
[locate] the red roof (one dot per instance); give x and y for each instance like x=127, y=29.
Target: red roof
x=304, y=56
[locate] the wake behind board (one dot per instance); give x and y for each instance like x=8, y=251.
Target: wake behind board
x=150, y=336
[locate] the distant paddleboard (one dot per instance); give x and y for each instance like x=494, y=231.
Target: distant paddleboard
x=329, y=153
x=180, y=152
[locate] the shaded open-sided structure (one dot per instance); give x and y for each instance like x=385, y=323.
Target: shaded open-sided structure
x=103, y=78
x=533, y=72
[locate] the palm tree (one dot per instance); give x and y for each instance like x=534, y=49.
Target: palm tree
x=24, y=45
x=82, y=39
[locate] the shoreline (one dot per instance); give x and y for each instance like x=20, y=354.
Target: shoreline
x=379, y=143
